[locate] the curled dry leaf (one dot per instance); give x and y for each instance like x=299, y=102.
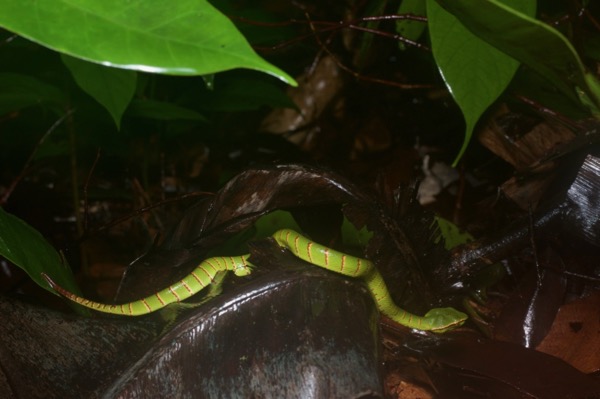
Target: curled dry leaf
x=576, y=330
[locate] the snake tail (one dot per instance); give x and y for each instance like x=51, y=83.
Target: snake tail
x=198, y=279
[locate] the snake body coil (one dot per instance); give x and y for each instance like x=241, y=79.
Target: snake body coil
x=436, y=320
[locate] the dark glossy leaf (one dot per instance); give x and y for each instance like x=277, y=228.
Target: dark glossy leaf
x=112, y=88
x=532, y=373
x=257, y=191
x=77, y=355
x=467, y=63
x=187, y=37
x=283, y=335
x=530, y=310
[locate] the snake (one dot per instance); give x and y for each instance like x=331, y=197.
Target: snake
x=437, y=320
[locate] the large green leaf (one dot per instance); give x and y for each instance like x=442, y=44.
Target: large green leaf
x=25, y=247
x=183, y=37
x=113, y=88
x=475, y=72
x=532, y=42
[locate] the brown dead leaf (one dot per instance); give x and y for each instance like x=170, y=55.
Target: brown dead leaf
x=575, y=334
x=317, y=90
x=518, y=142
x=523, y=142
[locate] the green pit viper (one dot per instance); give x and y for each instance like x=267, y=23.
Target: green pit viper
x=437, y=320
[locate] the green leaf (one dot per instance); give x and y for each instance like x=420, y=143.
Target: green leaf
x=268, y=224
x=21, y=91
x=24, y=246
x=407, y=28
x=184, y=37
x=532, y=42
x=163, y=111
x=475, y=72
x=112, y=88
x=265, y=226
x=451, y=233
x=352, y=237
x=532, y=85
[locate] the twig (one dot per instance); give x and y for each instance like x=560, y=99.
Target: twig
x=326, y=26
x=86, y=204
x=591, y=18
x=140, y=211
x=393, y=17
x=8, y=40
x=397, y=37
x=74, y=175
x=27, y=164
x=358, y=75
x=550, y=112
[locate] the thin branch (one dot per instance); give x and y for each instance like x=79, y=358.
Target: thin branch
x=591, y=18
x=358, y=75
x=86, y=204
x=394, y=17
x=145, y=209
x=394, y=36
x=550, y=112
x=326, y=26
x=581, y=276
x=410, y=17
x=27, y=164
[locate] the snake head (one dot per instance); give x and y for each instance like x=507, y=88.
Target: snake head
x=444, y=319
x=242, y=267
x=242, y=271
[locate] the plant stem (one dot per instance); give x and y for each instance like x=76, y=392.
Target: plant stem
x=74, y=175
